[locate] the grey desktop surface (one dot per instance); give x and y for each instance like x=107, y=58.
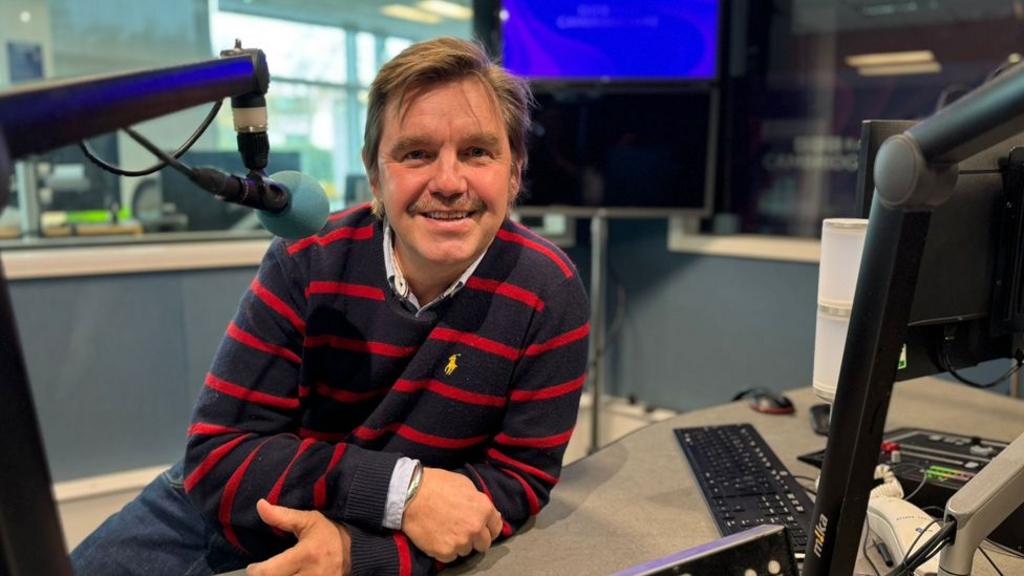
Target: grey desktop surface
x=636, y=500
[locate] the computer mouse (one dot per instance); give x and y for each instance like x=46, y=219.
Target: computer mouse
x=820, y=418
x=768, y=402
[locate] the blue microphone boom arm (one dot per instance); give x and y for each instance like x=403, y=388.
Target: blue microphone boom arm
x=35, y=118
x=42, y=116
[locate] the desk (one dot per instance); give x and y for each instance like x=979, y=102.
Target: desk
x=636, y=500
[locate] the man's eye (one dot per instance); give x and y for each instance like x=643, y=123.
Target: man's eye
x=477, y=152
x=415, y=155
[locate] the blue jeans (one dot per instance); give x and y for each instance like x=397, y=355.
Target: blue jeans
x=159, y=533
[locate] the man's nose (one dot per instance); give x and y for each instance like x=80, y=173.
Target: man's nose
x=448, y=178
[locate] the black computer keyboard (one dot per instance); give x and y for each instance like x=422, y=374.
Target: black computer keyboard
x=744, y=483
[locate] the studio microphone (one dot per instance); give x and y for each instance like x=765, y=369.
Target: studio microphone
x=289, y=204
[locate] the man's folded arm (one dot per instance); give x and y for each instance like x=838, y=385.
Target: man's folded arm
x=246, y=441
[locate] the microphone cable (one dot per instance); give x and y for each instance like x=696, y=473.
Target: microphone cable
x=278, y=201
x=95, y=159
x=165, y=158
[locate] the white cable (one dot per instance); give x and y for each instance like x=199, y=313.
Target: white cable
x=890, y=486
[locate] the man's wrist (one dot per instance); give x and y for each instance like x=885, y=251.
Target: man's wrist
x=346, y=548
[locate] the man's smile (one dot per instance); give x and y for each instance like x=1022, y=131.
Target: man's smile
x=447, y=215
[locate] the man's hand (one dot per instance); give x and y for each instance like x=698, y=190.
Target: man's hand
x=322, y=549
x=449, y=517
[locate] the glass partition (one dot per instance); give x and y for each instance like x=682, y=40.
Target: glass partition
x=804, y=74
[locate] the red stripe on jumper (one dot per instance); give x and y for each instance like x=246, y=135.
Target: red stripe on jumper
x=345, y=233
x=506, y=529
x=480, y=479
x=549, y=392
x=275, y=492
x=211, y=460
x=492, y=453
x=204, y=429
x=378, y=348
x=535, y=442
x=348, y=396
x=474, y=341
x=277, y=305
x=447, y=391
x=322, y=436
x=320, y=486
x=253, y=342
x=507, y=290
x=531, y=496
x=524, y=241
x=345, y=289
x=347, y=211
x=404, y=555
x=247, y=395
x=410, y=433
x=559, y=341
x=227, y=499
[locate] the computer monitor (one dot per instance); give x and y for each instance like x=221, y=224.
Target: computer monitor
x=76, y=183
x=958, y=317
x=940, y=273
x=630, y=152
x=640, y=40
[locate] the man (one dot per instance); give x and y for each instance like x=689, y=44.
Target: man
x=397, y=391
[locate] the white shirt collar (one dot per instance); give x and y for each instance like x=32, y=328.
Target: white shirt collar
x=401, y=286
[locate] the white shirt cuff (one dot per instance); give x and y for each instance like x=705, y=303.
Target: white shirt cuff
x=394, y=507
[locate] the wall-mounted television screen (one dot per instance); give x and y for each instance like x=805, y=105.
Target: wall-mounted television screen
x=627, y=151
x=611, y=40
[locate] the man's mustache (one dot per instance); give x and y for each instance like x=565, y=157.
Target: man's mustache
x=432, y=205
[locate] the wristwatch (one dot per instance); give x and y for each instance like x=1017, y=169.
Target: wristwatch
x=414, y=482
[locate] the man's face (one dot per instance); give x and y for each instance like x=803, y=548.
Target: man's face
x=446, y=176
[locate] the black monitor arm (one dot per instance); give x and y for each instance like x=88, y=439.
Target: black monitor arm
x=33, y=119
x=914, y=172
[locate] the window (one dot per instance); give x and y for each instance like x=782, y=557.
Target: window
x=295, y=51
x=322, y=58
x=307, y=101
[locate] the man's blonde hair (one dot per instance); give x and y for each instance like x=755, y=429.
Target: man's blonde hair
x=439, y=61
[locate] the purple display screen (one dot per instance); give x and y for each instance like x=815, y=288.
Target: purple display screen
x=662, y=40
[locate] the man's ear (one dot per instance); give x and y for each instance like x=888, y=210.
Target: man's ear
x=516, y=178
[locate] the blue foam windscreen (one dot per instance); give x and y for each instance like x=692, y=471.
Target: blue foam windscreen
x=307, y=211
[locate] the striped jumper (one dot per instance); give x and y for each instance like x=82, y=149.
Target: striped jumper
x=324, y=379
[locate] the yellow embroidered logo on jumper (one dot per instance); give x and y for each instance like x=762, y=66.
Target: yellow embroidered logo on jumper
x=452, y=366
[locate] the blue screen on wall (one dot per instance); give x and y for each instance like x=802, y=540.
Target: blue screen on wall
x=657, y=40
